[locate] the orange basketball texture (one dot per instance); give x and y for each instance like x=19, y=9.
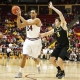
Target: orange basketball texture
x=14, y=9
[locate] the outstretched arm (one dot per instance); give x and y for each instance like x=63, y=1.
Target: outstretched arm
x=63, y=22
x=47, y=33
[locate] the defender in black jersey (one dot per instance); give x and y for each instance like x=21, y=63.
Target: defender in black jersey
x=60, y=52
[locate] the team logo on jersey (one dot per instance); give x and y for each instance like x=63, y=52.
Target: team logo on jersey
x=58, y=34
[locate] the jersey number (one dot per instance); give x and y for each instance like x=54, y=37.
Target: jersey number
x=29, y=28
x=58, y=34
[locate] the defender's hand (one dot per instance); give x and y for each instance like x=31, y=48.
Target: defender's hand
x=42, y=35
x=50, y=5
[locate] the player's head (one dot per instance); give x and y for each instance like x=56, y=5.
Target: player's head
x=57, y=22
x=33, y=13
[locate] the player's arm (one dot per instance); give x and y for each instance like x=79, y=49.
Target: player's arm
x=63, y=22
x=19, y=24
x=47, y=33
x=25, y=22
x=36, y=21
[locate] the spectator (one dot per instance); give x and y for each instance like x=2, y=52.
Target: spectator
x=44, y=53
x=8, y=52
x=73, y=56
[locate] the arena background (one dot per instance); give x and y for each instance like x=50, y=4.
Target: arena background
x=13, y=37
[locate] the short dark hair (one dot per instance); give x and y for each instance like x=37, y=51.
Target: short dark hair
x=58, y=19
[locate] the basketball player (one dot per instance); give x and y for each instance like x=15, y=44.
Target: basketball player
x=60, y=52
x=32, y=45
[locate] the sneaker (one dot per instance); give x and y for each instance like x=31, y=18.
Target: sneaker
x=61, y=75
x=19, y=75
x=58, y=73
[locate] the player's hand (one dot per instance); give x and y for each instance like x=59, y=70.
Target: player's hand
x=41, y=34
x=50, y=5
x=18, y=13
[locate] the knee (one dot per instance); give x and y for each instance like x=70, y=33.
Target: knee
x=60, y=60
x=52, y=59
x=25, y=56
x=35, y=59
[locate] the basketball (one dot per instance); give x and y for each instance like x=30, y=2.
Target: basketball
x=14, y=9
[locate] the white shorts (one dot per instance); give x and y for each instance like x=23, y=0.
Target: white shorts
x=32, y=48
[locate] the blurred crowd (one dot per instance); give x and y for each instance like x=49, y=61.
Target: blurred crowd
x=13, y=39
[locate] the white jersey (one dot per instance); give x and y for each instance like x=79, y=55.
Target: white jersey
x=32, y=31
x=32, y=45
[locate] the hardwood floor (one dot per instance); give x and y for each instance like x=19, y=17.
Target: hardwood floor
x=9, y=68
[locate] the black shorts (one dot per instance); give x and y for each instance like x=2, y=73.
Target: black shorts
x=8, y=54
x=62, y=52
